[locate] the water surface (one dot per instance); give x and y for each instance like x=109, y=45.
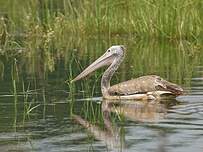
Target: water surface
x=41, y=111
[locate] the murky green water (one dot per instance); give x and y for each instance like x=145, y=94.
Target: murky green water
x=40, y=112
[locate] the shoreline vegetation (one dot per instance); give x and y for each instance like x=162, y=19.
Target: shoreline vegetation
x=47, y=26
x=33, y=19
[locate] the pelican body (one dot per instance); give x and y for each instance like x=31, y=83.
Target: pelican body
x=145, y=87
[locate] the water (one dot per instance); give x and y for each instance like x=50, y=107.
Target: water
x=40, y=112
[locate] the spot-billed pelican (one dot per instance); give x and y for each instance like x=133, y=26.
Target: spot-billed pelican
x=145, y=87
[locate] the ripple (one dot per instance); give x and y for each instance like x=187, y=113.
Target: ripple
x=191, y=108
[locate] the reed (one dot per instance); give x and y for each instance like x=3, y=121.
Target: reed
x=146, y=18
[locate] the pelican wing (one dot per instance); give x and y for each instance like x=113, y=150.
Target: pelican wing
x=145, y=84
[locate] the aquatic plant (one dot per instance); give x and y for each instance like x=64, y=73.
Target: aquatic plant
x=146, y=18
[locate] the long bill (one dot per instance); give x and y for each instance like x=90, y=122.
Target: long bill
x=104, y=60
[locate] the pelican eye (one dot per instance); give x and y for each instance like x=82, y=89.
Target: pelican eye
x=108, y=50
x=123, y=47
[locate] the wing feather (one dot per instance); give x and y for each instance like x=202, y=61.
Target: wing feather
x=144, y=84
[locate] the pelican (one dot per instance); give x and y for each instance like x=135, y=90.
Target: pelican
x=142, y=88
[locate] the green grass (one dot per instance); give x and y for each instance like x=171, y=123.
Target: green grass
x=46, y=27
x=51, y=19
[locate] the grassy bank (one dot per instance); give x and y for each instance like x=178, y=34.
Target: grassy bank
x=45, y=27
x=173, y=19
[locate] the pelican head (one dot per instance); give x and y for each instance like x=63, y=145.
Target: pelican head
x=114, y=54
